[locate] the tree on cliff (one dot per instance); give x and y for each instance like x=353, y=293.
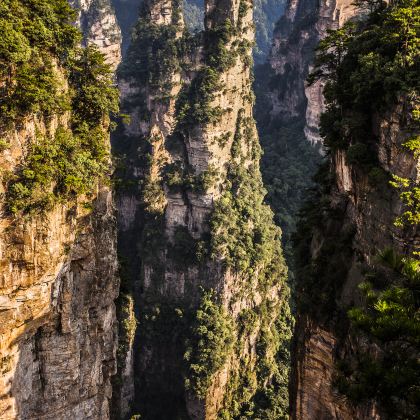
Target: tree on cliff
x=368, y=67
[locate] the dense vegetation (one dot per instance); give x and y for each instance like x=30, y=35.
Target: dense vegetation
x=367, y=65
x=288, y=163
x=266, y=15
x=213, y=341
x=390, y=317
x=370, y=67
x=193, y=334
x=244, y=237
x=39, y=54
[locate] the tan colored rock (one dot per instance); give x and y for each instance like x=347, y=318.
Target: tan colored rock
x=161, y=284
x=58, y=283
x=100, y=27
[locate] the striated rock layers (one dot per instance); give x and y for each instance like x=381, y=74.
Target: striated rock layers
x=200, y=255
x=58, y=279
x=58, y=285
x=58, y=331
x=353, y=221
x=296, y=36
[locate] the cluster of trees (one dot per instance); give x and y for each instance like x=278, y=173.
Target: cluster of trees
x=367, y=65
x=39, y=54
x=390, y=317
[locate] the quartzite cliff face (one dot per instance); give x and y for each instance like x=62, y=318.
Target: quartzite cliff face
x=356, y=224
x=201, y=254
x=297, y=34
x=58, y=283
x=99, y=25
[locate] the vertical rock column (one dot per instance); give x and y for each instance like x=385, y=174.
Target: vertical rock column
x=99, y=25
x=58, y=283
x=298, y=32
x=203, y=256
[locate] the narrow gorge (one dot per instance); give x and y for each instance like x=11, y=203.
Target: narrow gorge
x=209, y=209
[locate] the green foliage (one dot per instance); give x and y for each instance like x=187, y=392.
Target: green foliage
x=367, y=65
x=408, y=188
x=184, y=249
x=38, y=55
x=266, y=15
x=194, y=102
x=3, y=145
x=216, y=40
x=212, y=344
x=241, y=236
x=242, y=232
x=390, y=317
x=260, y=390
x=245, y=238
x=58, y=168
x=358, y=154
x=91, y=80
x=153, y=196
x=35, y=36
x=127, y=322
x=153, y=55
x=410, y=196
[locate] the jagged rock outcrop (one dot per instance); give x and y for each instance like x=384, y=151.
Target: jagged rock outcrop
x=202, y=255
x=348, y=234
x=296, y=36
x=99, y=25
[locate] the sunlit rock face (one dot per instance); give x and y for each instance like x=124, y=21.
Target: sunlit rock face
x=58, y=283
x=100, y=27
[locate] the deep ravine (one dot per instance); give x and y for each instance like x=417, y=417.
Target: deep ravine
x=148, y=281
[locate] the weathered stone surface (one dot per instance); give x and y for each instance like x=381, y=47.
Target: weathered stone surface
x=58, y=283
x=298, y=32
x=57, y=322
x=370, y=209
x=100, y=27
x=161, y=285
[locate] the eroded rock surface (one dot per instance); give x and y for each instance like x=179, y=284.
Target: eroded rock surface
x=297, y=34
x=58, y=283
x=363, y=225
x=190, y=147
